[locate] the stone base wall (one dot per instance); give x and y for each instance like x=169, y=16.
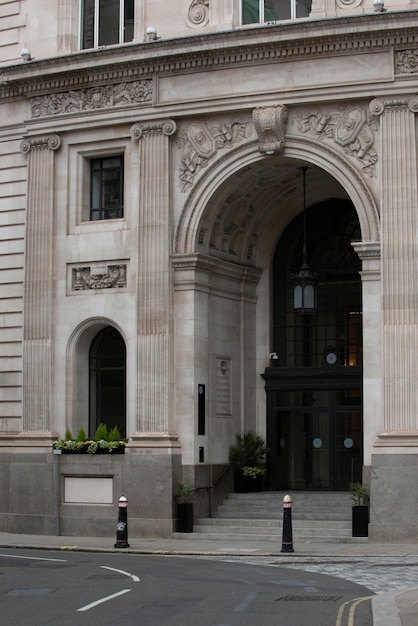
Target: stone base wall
x=393, y=498
x=33, y=484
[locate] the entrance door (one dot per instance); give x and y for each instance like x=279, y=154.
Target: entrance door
x=317, y=441
x=314, y=390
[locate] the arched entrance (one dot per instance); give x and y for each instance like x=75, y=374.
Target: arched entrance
x=235, y=217
x=314, y=390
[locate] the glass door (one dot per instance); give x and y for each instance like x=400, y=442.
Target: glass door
x=317, y=442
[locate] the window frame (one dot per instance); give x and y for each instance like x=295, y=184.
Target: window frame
x=293, y=13
x=96, y=25
x=101, y=209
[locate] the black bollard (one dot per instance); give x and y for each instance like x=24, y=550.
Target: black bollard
x=287, y=542
x=122, y=525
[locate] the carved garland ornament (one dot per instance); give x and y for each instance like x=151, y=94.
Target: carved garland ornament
x=352, y=129
x=85, y=278
x=202, y=141
x=122, y=94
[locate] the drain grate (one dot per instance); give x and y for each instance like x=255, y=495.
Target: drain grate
x=308, y=599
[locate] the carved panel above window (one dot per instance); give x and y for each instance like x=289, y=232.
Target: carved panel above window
x=98, y=276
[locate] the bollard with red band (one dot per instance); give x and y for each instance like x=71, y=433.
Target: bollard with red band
x=287, y=542
x=122, y=525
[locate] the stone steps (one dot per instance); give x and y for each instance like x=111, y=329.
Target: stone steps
x=316, y=517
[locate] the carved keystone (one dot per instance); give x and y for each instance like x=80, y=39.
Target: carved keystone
x=270, y=123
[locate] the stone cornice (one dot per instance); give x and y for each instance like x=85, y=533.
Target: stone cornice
x=267, y=44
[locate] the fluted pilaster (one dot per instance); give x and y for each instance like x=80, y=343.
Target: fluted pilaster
x=38, y=292
x=399, y=262
x=154, y=284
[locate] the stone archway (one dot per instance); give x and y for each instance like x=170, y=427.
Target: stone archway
x=229, y=227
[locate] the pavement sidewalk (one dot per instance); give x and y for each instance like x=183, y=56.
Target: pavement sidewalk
x=396, y=608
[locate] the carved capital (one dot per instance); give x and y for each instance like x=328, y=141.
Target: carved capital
x=270, y=123
x=367, y=249
x=377, y=106
x=164, y=127
x=49, y=142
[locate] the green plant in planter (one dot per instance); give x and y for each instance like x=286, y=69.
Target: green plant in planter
x=358, y=493
x=253, y=472
x=183, y=491
x=103, y=440
x=248, y=454
x=81, y=436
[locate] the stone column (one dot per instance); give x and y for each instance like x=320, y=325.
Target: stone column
x=369, y=253
x=399, y=267
x=38, y=326
x=154, y=281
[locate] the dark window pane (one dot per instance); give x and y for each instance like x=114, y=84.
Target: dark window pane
x=128, y=25
x=88, y=24
x=250, y=11
x=109, y=11
x=106, y=188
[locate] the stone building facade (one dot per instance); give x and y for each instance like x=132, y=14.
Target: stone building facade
x=164, y=168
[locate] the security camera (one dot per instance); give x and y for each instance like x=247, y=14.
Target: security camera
x=273, y=356
x=26, y=55
x=152, y=33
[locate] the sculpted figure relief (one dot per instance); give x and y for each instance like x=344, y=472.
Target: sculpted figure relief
x=201, y=142
x=122, y=94
x=351, y=128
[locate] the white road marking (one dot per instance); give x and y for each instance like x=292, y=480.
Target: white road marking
x=93, y=604
x=33, y=558
x=120, y=571
x=245, y=603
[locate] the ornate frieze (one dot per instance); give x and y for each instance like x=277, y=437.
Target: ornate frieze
x=406, y=62
x=122, y=94
x=270, y=123
x=351, y=128
x=202, y=141
x=198, y=14
x=98, y=277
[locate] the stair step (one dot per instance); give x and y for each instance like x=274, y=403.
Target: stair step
x=316, y=516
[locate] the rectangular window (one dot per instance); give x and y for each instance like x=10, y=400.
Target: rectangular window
x=106, y=22
x=261, y=11
x=106, y=188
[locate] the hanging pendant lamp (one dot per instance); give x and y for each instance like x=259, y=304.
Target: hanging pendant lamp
x=304, y=281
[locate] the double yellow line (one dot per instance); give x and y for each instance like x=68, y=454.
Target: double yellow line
x=354, y=604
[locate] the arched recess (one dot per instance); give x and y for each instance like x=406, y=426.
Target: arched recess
x=79, y=353
x=213, y=189
x=235, y=214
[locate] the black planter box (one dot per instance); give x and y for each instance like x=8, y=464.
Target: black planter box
x=360, y=519
x=245, y=484
x=184, y=517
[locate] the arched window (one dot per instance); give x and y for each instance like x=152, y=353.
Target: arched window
x=107, y=365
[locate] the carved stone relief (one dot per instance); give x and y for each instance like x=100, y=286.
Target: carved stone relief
x=406, y=62
x=202, y=141
x=198, y=14
x=98, y=277
x=123, y=94
x=351, y=128
x=270, y=123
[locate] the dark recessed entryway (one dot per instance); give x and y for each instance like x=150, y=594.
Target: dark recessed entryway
x=314, y=402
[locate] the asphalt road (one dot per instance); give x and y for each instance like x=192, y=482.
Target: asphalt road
x=42, y=588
